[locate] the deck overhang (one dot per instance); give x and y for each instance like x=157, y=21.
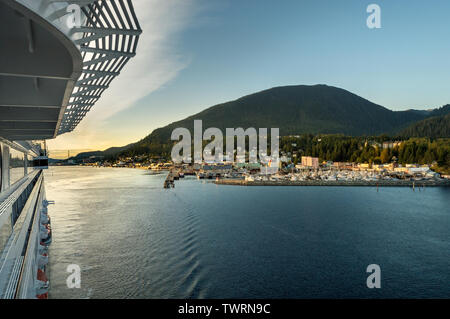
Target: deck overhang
x=52, y=74
x=39, y=66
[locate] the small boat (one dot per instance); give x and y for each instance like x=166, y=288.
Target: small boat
x=200, y=175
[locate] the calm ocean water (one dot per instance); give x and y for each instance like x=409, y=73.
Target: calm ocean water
x=134, y=239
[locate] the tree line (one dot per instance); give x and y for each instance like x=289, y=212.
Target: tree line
x=339, y=148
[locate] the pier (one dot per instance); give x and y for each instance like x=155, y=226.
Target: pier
x=169, y=181
x=173, y=175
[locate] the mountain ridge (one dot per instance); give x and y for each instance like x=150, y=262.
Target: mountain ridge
x=111, y=151
x=295, y=109
x=307, y=109
x=433, y=127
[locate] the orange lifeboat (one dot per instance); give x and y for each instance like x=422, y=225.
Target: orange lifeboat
x=41, y=276
x=42, y=296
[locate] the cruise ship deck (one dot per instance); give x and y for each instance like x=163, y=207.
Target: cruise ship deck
x=57, y=58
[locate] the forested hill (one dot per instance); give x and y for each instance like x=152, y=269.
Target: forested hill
x=433, y=127
x=317, y=109
x=296, y=110
x=110, y=152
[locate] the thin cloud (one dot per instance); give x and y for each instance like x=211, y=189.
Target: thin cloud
x=156, y=63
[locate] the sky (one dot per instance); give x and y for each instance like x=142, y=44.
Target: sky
x=194, y=54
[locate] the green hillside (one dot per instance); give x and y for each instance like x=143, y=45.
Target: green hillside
x=433, y=127
x=295, y=110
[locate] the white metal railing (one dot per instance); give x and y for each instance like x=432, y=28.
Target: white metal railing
x=15, y=251
x=13, y=194
x=26, y=281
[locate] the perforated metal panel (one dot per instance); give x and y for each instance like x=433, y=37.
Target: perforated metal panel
x=110, y=34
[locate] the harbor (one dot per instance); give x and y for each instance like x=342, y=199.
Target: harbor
x=182, y=235
x=334, y=174
x=379, y=183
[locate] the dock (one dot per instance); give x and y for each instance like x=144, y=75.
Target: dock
x=380, y=183
x=169, y=182
x=172, y=176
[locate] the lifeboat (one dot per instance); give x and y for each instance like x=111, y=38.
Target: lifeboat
x=43, y=244
x=46, y=241
x=41, y=276
x=45, y=219
x=42, y=296
x=45, y=234
x=42, y=280
x=45, y=227
x=43, y=249
x=43, y=260
x=41, y=290
x=44, y=212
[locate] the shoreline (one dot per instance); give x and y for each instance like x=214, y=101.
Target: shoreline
x=381, y=183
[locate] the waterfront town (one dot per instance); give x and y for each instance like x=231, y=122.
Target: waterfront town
x=309, y=171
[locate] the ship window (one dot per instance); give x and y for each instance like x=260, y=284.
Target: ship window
x=30, y=162
x=40, y=162
x=5, y=232
x=1, y=166
x=16, y=165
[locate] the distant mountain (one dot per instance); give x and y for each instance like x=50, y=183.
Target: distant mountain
x=440, y=111
x=434, y=127
x=294, y=110
x=54, y=160
x=300, y=109
x=112, y=151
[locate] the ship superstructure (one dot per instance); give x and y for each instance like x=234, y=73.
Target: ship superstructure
x=56, y=60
